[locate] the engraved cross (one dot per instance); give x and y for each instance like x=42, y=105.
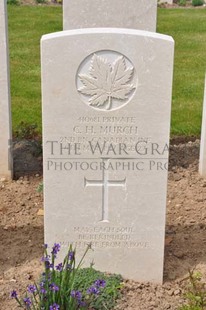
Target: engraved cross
x=105, y=184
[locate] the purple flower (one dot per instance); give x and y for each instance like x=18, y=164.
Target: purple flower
x=43, y=291
x=56, y=249
x=71, y=255
x=27, y=302
x=93, y=290
x=45, y=258
x=54, y=307
x=31, y=289
x=53, y=287
x=100, y=283
x=13, y=294
x=49, y=265
x=45, y=276
x=45, y=245
x=59, y=267
x=76, y=294
x=81, y=303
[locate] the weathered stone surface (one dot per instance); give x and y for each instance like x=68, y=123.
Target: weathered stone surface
x=106, y=123
x=134, y=14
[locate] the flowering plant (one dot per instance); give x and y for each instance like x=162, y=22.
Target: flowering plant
x=55, y=291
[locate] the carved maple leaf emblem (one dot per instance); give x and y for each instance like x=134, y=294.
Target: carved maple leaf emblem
x=107, y=81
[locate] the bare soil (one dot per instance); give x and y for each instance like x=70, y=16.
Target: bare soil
x=21, y=229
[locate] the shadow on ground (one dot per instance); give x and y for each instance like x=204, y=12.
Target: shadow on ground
x=27, y=158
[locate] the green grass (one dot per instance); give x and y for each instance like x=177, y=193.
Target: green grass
x=187, y=26
x=26, y=26
x=84, y=279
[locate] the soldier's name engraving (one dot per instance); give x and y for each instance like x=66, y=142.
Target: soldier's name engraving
x=105, y=130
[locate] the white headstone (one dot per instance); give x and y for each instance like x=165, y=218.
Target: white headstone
x=134, y=14
x=202, y=163
x=5, y=117
x=106, y=123
x=166, y=1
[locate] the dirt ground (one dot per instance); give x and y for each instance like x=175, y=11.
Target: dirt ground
x=21, y=229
